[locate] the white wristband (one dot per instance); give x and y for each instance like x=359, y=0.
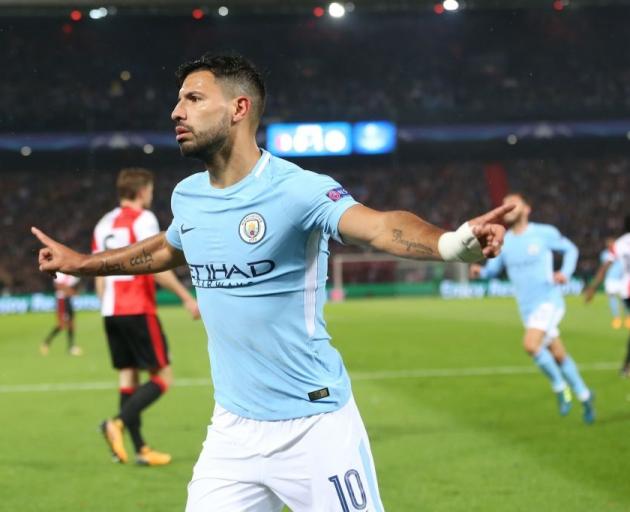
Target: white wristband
x=460, y=245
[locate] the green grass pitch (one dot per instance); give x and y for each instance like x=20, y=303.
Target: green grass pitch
x=458, y=416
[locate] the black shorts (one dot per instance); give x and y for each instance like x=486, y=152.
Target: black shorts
x=136, y=341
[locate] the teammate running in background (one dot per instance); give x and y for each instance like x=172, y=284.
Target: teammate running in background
x=619, y=252
x=128, y=305
x=527, y=257
x=253, y=230
x=65, y=288
x=612, y=286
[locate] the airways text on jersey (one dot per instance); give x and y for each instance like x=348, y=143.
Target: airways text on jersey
x=229, y=275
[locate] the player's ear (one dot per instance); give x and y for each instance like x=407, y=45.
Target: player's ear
x=242, y=106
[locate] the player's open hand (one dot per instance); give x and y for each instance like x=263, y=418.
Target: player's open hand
x=193, y=308
x=56, y=257
x=488, y=229
x=559, y=278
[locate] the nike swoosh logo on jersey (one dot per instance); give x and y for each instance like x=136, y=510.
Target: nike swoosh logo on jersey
x=184, y=230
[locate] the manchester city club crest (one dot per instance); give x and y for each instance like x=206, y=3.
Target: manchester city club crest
x=252, y=228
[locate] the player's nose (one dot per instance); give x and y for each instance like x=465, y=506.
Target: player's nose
x=178, y=113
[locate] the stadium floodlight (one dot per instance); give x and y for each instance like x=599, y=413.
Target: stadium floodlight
x=336, y=10
x=450, y=5
x=97, y=14
x=25, y=150
x=223, y=11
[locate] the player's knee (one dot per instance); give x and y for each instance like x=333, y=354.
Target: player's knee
x=163, y=380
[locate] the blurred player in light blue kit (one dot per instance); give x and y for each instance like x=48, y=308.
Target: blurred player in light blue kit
x=528, y=259
x=612, y=285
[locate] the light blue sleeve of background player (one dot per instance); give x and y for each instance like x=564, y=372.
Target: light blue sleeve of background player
x=493, y=267
x=559, y=243
x=317, y=201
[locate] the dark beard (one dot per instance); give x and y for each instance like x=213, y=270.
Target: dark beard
x=208, y=143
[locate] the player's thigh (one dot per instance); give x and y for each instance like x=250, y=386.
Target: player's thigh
x=146, y=341
x=330, y=468
x=209, y=494
x=542, y=326
x=118, y=342
x=227, y=476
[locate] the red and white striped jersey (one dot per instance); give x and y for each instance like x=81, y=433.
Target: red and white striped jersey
x=126, y=295
x=621, y=251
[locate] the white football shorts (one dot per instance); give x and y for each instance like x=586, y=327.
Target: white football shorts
x=613, y=286
x=320, y=463
x=547, y=318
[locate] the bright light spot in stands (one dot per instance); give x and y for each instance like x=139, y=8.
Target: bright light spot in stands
x=512, y=139
x=197, y=14
x=76, y=15
x=25, y=150
x=349, y=7
x=336, y=10
x=628, y=135
x=125, y=75
x=450, y=5
x=148, y=148
x=223, y=11
x=318, y=12
x=438, y=9
x=558, y=5
x=97, y=14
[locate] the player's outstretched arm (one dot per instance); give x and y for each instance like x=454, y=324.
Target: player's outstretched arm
x=148, y=256
x=407, y=235
x=590, y=290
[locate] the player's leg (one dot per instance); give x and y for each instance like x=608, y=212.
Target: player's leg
x=535, y=343
x=572, y=375
x=625, y=367
x=116, y=329
x=45, y=346
x=73, y=349
x=229, y=472
x=611, y=287
x=150, y=349
x=328, y=468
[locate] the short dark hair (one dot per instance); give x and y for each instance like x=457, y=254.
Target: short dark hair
x=234, y=69
x=131, y=180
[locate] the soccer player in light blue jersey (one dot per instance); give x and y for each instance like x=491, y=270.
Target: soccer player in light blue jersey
x=612, y=285
x=253, y=230
x=527, y=257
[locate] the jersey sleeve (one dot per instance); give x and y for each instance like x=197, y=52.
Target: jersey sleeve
x=317, y=202
x=492, y=268
x=146, y=225
x=559, y=243
x=172, y=236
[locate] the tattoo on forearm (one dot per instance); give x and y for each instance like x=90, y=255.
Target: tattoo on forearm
x=416, y=247
x=146, y=258
x=109, y=268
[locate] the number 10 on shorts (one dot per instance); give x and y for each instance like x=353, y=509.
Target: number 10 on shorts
x=354, y=487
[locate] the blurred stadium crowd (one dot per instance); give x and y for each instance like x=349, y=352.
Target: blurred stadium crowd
x=489, y=65
x=585, y=198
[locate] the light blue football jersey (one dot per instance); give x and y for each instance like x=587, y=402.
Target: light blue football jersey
x=615, y=271
x=258, y=257
x=528, y=260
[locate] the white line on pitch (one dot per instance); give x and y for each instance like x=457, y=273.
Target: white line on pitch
x=356, y=376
